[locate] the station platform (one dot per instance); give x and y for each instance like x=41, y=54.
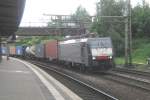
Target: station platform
x=20, y=80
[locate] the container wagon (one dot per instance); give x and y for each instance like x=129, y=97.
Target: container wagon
x=3, y=50
x=20, y=51
x=51, y=50
x=40, y=51
x=12, y=50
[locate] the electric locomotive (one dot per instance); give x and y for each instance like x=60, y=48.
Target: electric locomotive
x=89, y=53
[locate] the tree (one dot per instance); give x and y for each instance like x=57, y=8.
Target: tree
x=113, y=27
x=83, y=17
x=109, y=8
x=79, y=19
x=141, y=20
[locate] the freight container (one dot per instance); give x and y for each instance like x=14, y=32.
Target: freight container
x=51, y=50
x=12, y=50
x=39, y=50
x=19, y=50
x=3, y=50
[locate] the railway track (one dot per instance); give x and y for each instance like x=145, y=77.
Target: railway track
x=130, y=71
x=123, y=90
x=128, y=80
x=131, y=78
x=87, y=90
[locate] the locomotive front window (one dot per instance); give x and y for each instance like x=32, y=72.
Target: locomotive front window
x=100, y=44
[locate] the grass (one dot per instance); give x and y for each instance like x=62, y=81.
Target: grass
x=119, y=60
x=141, y=51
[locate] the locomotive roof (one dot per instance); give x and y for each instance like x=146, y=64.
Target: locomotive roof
x=84, y=40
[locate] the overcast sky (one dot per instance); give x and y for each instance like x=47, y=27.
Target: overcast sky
x=35, y=9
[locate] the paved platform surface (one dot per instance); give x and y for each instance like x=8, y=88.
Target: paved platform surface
x=18, y=82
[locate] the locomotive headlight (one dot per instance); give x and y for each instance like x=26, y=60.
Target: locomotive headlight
x=94, y=58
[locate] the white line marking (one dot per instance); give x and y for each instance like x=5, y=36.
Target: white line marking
x=66, y=90
x=14, y=71
x=71, y=94
x=50, y=87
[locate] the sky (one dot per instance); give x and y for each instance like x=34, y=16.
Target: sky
x=35, y=9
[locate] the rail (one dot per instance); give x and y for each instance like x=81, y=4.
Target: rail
x=106, y=95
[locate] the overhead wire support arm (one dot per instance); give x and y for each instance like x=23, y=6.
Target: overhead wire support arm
x=113, y=16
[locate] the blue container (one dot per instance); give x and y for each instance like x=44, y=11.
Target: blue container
x=19, y=50
x=3, y=50
x=39, y=51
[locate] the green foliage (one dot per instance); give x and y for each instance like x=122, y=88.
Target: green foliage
x=138, y=42
x=83, y=17
x=119, y=60
x=112, y=27
x=107, y=26
x=141, y=50
x=115, y=28
x=141, y=20
x=81, y=14
x=24, y=41
x=36, y=40
x=77, y=19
